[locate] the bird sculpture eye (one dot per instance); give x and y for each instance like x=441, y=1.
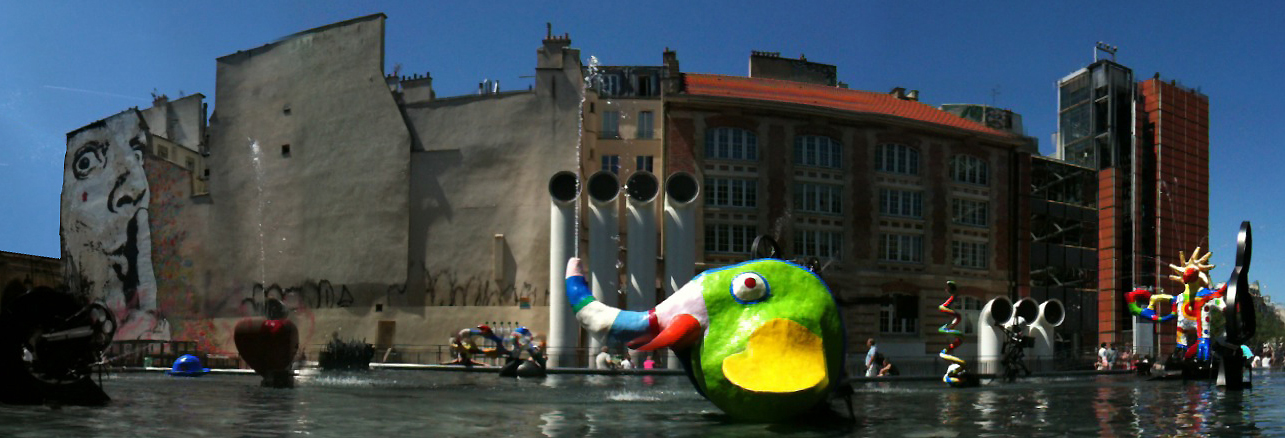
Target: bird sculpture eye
x=749, y=287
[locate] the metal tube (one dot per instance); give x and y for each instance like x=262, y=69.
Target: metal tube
x=640, y=261
x=1051, y=315
x=681, y=191
x=563, y=328
x=604, y=250
x=990, y=337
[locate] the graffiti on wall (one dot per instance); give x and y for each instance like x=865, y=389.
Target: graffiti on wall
x=446, y=288
x=106, y=235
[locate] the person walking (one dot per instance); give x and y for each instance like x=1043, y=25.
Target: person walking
x=872, y=365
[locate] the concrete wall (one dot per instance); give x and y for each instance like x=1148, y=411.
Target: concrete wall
x=481, y=170
x=332, y=207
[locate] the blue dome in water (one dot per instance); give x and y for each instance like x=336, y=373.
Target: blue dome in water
x=187, y=366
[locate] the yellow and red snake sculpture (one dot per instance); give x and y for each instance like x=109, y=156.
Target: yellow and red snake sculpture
x=955, y=373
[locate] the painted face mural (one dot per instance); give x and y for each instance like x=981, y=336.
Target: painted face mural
x=107, y=248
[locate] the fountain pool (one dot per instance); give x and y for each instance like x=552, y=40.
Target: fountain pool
x=416, y=403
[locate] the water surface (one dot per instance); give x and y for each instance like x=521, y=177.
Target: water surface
x=417, y=403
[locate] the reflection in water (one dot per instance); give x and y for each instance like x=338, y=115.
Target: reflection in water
x=406, y=403
x=270, y=412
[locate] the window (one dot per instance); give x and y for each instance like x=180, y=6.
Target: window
x=970, y=312
x=191, y=164
x=901, y=203
x=820, y=244
x=611, y=163
x=645, y=125
x=818, y=198
x=969, y=169
x=968, y=254
x=731, y=192
x=900, y=316
x=897, y=158
x=643, y=162
x=729, y=238
x=610, y=85
x=285, y=150
x=610, y=124
x=731, y=144
x=901, y=248
x=163, y=152
x=816, y=150
x=644, y=86
x=968, y=212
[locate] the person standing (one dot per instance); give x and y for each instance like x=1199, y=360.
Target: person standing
x=872, y=365
x=1102, y=356
x=603, y=361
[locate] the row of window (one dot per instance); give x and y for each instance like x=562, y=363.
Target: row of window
x=822, y=151
x=611, y=163
x=906, y=248
x=828, y=199
x=611, y=125
x=901, y=316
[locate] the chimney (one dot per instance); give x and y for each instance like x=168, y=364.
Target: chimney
x=913, y=95
x=671, y=81
x=899, y=93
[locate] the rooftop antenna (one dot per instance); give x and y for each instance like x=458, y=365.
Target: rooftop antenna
x=1104, y=47
x=994, y=95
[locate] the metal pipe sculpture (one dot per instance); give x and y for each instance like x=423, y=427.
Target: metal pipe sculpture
x=522, y=340
x=990, y=333
x=564, y=190
x=763, y=340
x=1051, y=315
x=1238, y=314
x=957, y=373
x=604, y=245
x=50, y=342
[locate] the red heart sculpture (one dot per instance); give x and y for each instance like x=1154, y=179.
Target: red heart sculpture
x=267, y=345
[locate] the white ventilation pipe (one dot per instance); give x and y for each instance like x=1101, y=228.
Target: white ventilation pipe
x=640, y=261
x=681, y=191
x=1051, y=315
x=563, y=328
x=990, y=334
x=604, y=250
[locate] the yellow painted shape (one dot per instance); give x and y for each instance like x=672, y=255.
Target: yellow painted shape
x=782, y=357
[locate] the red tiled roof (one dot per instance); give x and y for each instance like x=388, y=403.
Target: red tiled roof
x=827, y=97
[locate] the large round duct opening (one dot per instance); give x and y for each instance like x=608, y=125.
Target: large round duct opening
x=1001, y=309
x=1027, y=310
x=681, y=188
x=603, y=186
x=642, y=186
x=1053, y=312
x=563, y=186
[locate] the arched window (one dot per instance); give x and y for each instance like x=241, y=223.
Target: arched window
x=897, y=158
x=818, y=150
x=731, y=144
x=969, y=169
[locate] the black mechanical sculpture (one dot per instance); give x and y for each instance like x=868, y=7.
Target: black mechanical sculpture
x=50, y=342
x=1238, y=314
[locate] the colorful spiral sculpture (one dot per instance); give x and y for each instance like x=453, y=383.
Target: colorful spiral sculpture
x=954, y=374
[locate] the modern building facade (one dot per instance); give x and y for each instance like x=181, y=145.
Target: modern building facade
x=1148, y=142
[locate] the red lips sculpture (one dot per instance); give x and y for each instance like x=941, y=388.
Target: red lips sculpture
x=269, y=345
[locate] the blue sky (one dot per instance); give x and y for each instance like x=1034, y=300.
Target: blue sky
x=66, y=64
